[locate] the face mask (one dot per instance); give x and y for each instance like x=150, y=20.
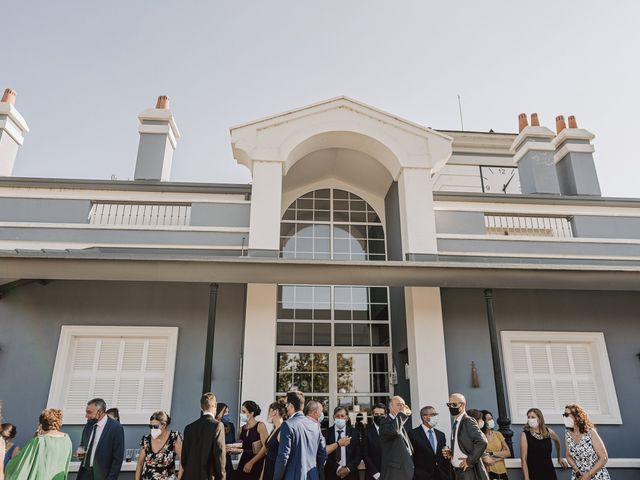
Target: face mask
x=481, y=424
x=454, y=411
x=377, y=420
x=321, y=418
x=433, y=421
x=491, y=424
x=226, y=418
x=568, y=422
x=533, y=422
x=244, y=418
x=340, y=423
x=155, y=432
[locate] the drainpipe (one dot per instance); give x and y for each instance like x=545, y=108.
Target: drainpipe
x=211, y=327
x=504, y=422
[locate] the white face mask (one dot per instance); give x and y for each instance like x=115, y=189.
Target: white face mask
x=568, y=422
x=491, y=424
x=433, y=420
x=155, y=432
x=340, y=423
x=481, y=424
x=533, y=422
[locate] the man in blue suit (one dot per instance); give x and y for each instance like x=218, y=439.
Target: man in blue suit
x=302, y=453
x=103, y=441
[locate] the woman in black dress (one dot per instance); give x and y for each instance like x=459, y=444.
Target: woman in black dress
x=536, y=448
x=251, y=432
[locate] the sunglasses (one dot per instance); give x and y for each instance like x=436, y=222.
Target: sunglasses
x=565, y=415
x=453, y=405
x=154, y=426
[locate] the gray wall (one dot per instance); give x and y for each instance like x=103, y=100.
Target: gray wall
x=471, y=223
x=220, y=214
x=49, y=210
x=591, y=226
x=613, y=313
x=31, y=318
x=393, y=228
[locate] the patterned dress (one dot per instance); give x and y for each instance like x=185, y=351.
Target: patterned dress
x=585, y=456
x=160, y=465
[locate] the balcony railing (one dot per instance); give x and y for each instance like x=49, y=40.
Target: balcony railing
x=528, y=225
x=142, y=214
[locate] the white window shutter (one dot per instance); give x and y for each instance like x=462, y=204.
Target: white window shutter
x=131, y=368
x=549, y=370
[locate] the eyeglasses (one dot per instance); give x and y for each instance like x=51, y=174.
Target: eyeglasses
x=453, y=405
x=153, y=426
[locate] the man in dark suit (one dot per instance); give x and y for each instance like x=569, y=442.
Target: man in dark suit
x=302, y=453
x=428, y=443
x=468, y=443
x=103, y=442
x=372, y=453
x=343, y=448
x=203, y=448
x=397, y=463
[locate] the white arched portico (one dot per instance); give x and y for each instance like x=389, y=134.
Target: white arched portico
x=329, y=143
x=409, y=152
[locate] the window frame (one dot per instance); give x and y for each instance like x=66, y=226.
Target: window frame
x=601, y=366
x=64, y=358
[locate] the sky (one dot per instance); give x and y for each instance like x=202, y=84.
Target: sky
x=83, y=70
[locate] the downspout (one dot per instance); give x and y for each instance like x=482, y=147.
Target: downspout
x=211, y=327
x=504, y=422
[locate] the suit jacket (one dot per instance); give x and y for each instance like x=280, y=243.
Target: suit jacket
x=396, y=459
x=301, y=453
x=371, y=451
x=203, y=450
x=352, y=453
x=473, y=443
x=429, y=465
x=109, y=455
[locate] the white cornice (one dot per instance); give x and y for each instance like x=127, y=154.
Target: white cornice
x=531, y=132
x=13, y=114
x=572, y=148
x=572, y=134
x=160, y=115
x=532, y=147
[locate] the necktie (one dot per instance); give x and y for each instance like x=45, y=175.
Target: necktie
x=86, y=463
x=339, y=450
x=432, y=440
x=453, y=435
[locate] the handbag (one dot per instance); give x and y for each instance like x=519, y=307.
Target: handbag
x=256, y=446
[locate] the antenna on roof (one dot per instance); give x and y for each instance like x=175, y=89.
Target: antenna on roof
x=460, y=110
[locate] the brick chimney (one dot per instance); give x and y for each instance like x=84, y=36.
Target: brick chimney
x=158, y=137
x=533, y=154
x=574, y=160
x=13, y=128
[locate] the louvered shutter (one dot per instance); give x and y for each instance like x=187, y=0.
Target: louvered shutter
x=549, y=370
x=131, y=372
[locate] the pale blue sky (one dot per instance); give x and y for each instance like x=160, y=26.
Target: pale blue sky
x=84, y=69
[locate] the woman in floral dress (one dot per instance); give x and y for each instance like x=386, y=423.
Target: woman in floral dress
x=585, y=450
x=159, y=450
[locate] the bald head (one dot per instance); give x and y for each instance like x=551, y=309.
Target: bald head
x=397, y=405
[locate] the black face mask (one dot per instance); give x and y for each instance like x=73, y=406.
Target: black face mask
x=454, y=411
x=377, y=420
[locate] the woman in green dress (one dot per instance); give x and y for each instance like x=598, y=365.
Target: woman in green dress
x=45, y=457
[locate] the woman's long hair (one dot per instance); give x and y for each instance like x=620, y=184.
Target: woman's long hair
x=580, y=418
x=544, y=430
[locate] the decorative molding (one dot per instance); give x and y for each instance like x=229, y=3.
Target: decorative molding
x=572, y=148
x=532, y=147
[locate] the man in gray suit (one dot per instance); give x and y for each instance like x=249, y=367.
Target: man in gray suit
x=396, y=463
x=468, y=443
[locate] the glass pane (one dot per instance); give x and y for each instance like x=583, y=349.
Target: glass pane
x=380, y=335
x=302, y=381
x=357, y=205
x=324, y=193
x=321, y=362
x=342, y=314
x=303, y=334
x=322, y=231
x=345, y=402
x=345, y=382
x=304, y=231
x=288, y=245
x=341, y=231
x=342, y=334
x=379, y=362
x=378, y=294
x=305, y=362
x=321, y=383
x=361, y=334
x=305, y=204
x=376, y=246
x=284, y=333
x=358, y=231
x=379, y=312
x=358, y=217
x=341, y=205
x=340, y=216
x=322, y=216
x=380, y=382
x=372, y=217
x=303, y=313
x=284, y=382
x=322, y=245
x=340, y=194
x=304, y=244
x=342, y=295
x=322, y=313
x=375, y=232
x=287, y=362
x=322, y=334
x=304, y=215
x=322, y=204
x=290, y=214
x=284, y=313
x=287, y=229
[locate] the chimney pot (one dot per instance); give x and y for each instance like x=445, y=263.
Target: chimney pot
x=572, y=121
x=163, y=102
x=522, y=122
x=560, y=124
x=535, y=122
x=9, y=96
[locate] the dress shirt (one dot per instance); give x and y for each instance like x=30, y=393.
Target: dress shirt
x=458, y=454
x=343, y=450
x=433, y=434
x=98, y=433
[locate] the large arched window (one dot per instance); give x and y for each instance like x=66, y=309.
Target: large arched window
x=332, y=224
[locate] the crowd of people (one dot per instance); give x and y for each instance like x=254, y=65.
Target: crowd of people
x=296, y=447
